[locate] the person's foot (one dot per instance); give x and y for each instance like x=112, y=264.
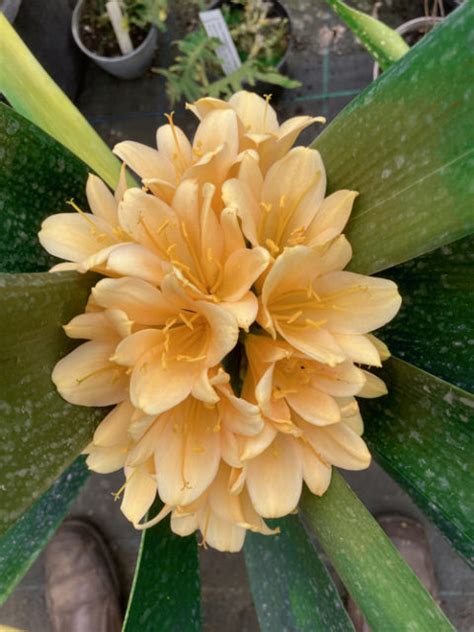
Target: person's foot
x=410, y=539
x=82, y=590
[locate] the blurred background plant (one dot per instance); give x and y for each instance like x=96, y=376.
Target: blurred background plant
x=261, y=35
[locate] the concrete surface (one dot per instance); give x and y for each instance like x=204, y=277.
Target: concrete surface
x=333, y=68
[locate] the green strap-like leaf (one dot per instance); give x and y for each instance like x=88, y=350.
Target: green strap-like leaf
x=434, y=329
x=34, y=94
x=407, y=145
x=422, y=434
x=292, y=589
x=166, y=587
x=40, y=433
x=382, y=584
x=37, y=177
x=24, y=541
x=382, y=42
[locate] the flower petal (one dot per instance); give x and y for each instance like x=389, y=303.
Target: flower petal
x=238, y=197
x=244, y=311
x=241, y=270
x=106, y=460
x=141, y=301
x=140, y=492
x=188, y=454
x=86, y=376
x=221, y=535
x=136, y=261
x=224, y=331
x=331, y=217
x=359, y=348
x=173, y=144
x=145, y=161
x=339, y=445
x=143, y=217
x=373, y=387
x=74, y=237
x=314, y=406
x=155, y=386
x=293, y=188
x=113, y=429
x=134, y=346
x=101, y=200
x=316, y=473
x=256, y=113
x=358, y=303
x=275, y=478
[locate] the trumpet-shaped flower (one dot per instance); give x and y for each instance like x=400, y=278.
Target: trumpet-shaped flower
x=317, y=307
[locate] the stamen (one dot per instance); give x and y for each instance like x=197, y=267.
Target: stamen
x=295, y=316
x=187, y=358
x=317, y=324
x=79, y=380
x=169, y=118
x=119, y=492
x=188, y=322
x=151, y=235
x=94, y=230
x=265, y=112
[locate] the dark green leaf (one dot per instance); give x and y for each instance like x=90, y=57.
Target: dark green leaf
x=407, y=145
x=40, y=433
x=37, y=176
x=292, y=589
x=434, y=329
x=422, y=434
x=166, y=587
x=24, y=541
x=379, y=580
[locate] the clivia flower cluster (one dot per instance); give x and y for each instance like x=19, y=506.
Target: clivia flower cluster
x=227, y=336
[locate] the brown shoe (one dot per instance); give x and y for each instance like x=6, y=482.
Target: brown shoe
x=82, y=589
x=410, y=539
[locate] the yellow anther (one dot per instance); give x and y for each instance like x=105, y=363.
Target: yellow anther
x=282, y=201
x=272, y=247
x=118, y=493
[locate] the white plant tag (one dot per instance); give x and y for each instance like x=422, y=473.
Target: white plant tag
x=215, y=26
x=116, y=18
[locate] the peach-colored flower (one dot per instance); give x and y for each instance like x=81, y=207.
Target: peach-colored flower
x=81, y=238
x=229, y=337
x=320, y=309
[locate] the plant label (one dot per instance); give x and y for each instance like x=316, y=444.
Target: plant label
x=215, y=26
x=122, y=35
